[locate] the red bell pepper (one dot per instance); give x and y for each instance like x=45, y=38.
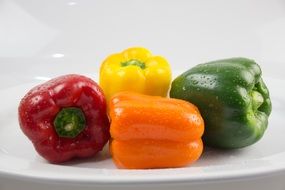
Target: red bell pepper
x=65, y=118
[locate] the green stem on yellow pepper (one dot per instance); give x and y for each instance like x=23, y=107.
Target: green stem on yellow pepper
x=134, y=62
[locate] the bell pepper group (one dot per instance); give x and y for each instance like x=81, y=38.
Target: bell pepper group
x=154, y=132
x=73, y=117
x=65, y=118
x=135, y=69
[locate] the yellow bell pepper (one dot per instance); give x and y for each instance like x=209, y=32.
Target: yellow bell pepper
x=135, y=69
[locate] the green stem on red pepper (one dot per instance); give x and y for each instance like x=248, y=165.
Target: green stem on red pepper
x=69, y=122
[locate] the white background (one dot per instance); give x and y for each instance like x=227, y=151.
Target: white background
x=48, y=38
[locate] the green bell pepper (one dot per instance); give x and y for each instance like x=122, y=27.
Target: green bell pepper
x=232, y=98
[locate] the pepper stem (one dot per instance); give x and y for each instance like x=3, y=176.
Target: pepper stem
x=133, y=62
x=257, y=99
x=69, y=122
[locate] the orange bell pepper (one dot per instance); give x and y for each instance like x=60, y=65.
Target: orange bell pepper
x=154, y=132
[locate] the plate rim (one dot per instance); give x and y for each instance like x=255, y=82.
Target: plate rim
x=243, y=174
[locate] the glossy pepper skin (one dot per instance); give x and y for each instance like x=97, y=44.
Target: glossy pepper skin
x=135, y=69
x=65, y=118
x=154, y=132
x=232, y=98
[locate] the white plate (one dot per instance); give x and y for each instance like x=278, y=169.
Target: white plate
x=18, y=159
